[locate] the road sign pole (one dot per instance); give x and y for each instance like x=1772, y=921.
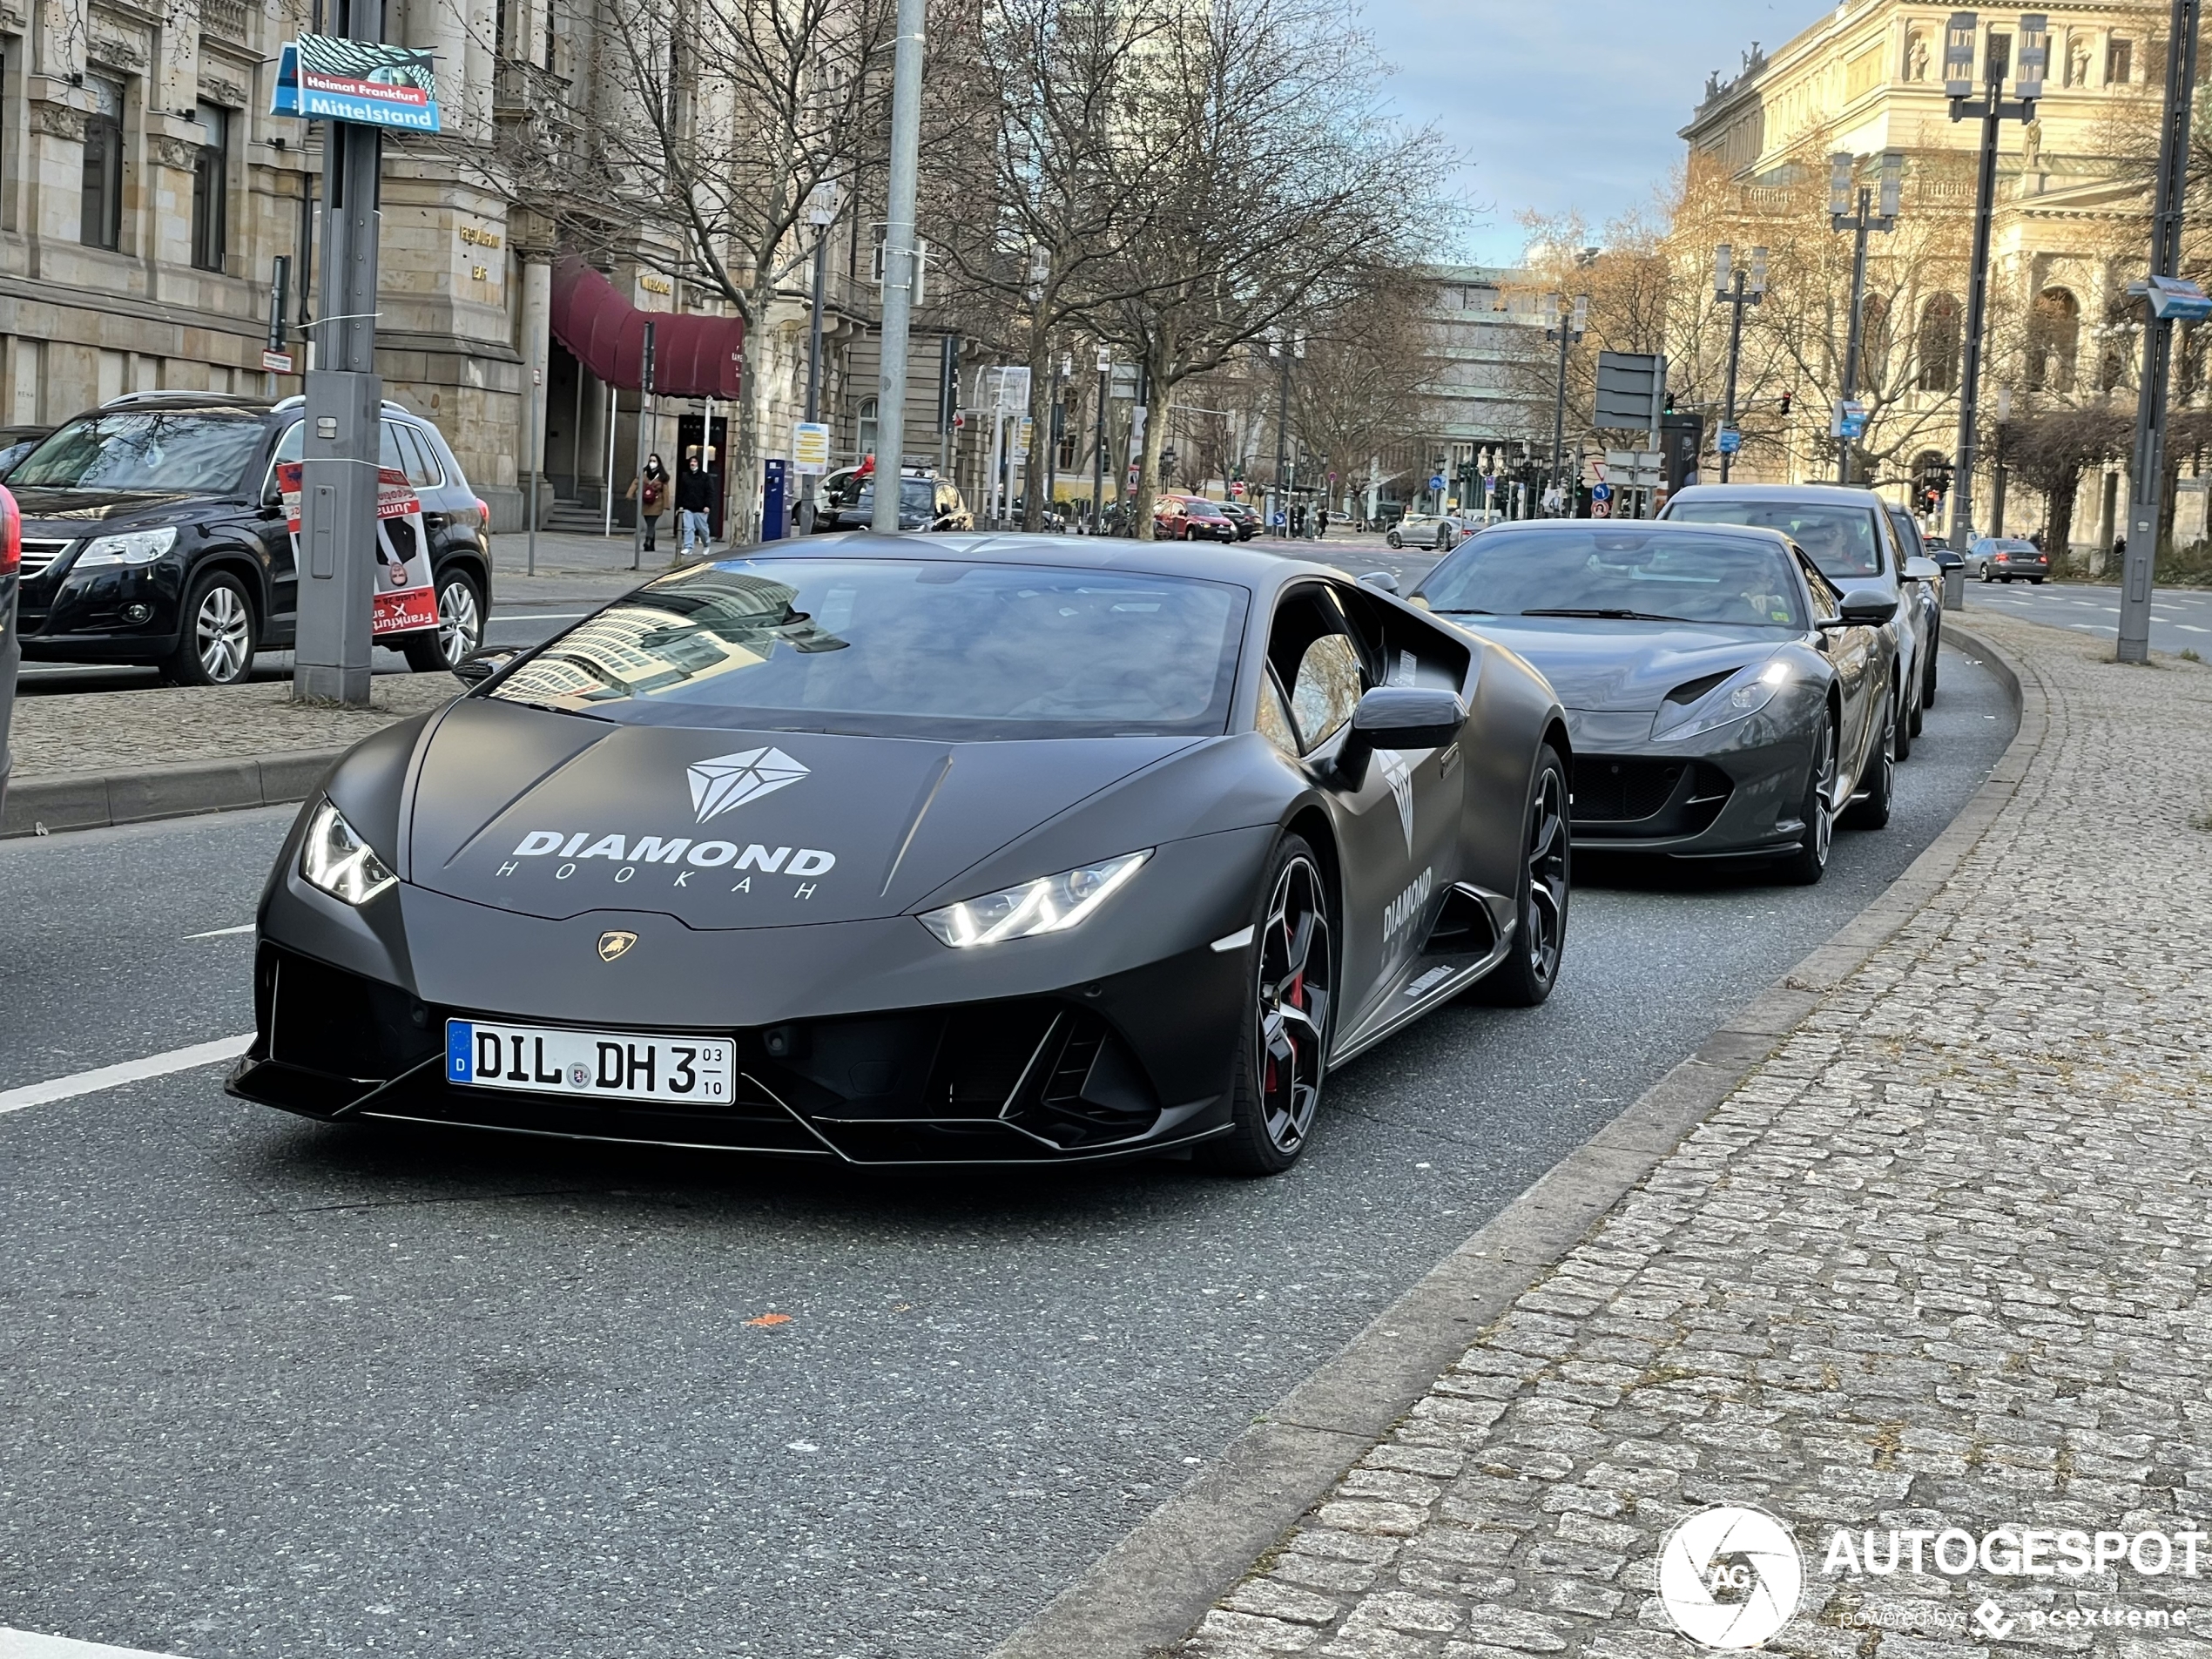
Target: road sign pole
x=900, y=267
x=1735, y=353
x=345, y=403
x=2149, y=467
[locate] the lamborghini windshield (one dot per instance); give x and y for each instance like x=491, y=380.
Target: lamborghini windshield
x=1653, y=574
x=892, y=647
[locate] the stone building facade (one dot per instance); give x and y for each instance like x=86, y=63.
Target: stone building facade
x=2069, y=229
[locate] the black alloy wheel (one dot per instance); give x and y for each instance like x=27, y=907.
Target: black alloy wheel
x=1284, y=1057
x=1531, y=968
x=216, y=636
x=1870, y=809
x=1902, y=725
x=1810, y=861
x=461, y=626
x=1394, y=540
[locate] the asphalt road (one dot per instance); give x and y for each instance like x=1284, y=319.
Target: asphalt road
x=295, y=1391
x=2181, y=618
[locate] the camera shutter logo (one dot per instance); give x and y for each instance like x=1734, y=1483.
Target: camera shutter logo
x=1730, y=1577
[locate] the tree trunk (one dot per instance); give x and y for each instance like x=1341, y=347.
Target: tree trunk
x=1033, y=504
x=1155, y=427
x=2058, y=534
x=743, y=476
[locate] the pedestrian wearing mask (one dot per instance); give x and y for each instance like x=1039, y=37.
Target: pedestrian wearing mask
x=655, y=481
x=694, y=502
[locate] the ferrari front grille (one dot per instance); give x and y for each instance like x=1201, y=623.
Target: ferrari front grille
x=1622, y=788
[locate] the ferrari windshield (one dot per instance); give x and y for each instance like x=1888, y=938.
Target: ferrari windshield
x=1844, y=540
x=1628, y=573
x=896, y=647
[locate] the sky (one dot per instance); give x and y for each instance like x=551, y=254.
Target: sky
x=1561, y=104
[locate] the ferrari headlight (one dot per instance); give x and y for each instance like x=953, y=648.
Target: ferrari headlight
x=1741, y=696
x=1051, y=904
x=335, y=858
x=137, y=547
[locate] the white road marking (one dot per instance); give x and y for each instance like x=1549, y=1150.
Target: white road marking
x=131, y=1071
x=223, y=933
x=25, y=1644
x=2191, y=627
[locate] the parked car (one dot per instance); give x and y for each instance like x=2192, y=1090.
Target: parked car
x=1996, y=558
x=11, y=649
x=1849, y=535
x=1244, y=517
x=1928, y=596
x=1191, y=518
x=16, y=441
x=1436, y=531
x=155, y=531
x=926, y=502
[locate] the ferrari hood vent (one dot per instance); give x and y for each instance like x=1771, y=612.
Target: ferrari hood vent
x=552, y=815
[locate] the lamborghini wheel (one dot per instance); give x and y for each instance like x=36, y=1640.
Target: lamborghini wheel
x=1282, y=1056
x=1525, y=978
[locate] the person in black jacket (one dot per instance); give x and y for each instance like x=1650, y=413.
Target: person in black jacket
x=694, y=502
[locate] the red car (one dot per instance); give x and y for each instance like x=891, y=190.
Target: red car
x=1191, y=518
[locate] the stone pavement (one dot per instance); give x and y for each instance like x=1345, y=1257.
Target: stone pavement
x=1938, y=1262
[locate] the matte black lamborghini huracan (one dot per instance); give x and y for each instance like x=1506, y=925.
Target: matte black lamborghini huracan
x=923, y=849
x=1723, y=698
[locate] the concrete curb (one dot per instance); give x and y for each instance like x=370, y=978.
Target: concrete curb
x=95, y=799
x=1147, y=1592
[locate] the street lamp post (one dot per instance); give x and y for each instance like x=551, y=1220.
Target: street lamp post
x=1842, y=202
x=821, y=212
x=1098, y=446
x=1736, y=287
x=1991, y=109
x=1283, y=346
x=2149, y=467
x=1569, y=330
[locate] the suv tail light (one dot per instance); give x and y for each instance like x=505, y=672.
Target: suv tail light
x=11, y=533
x=483, y=513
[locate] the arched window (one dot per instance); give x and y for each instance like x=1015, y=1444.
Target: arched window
x=2053, y=341
x=863, y=438
x=1874, y=343
x=1938, y=345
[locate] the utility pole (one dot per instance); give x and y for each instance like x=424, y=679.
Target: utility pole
x=1746, y=288
x=2149, y=469
x=1098, y=446
x=898, y=263
x=1568, y=332
x=1282, y=348
x=821, y=212
x=644, y=422
x=344, y=405
x=1991, y=110
x=1841, y=167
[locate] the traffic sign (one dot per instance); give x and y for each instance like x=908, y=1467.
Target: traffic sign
x=277, y=362
x=1631, y=390
x=1851, y=419
x=809, y=445
x=1601, y=493
x=2176, y=300
x=1436, y=481
x=1731, y=440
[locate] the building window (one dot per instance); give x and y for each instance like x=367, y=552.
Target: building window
x=102, y=224
x=2053, y=341
x=865, y=436
x=2119, y=62
x=1938, y=345
x=210, y=189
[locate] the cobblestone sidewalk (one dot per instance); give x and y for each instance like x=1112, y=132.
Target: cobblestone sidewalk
x=1940, y=1262
x=102, y=731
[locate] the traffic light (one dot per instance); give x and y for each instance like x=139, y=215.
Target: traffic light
x=1667, y=403
x=1787, y=399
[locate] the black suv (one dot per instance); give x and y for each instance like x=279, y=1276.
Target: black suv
x=153, y=532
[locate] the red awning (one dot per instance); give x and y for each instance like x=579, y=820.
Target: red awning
x=693, y=356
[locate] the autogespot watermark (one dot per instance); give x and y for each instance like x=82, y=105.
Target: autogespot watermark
x=1732, y=1576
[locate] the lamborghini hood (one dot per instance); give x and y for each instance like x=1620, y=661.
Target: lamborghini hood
x=552, y=815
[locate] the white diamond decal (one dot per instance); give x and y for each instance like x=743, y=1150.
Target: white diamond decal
x=728, y=781
x=1400, y=777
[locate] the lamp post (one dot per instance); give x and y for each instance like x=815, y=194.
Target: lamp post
x=1568, y=331
x=1098, y=446
x=821, y=212
x=2147, y=470
x=1851, y=206
x=1991, y=109
x=1736, y=287
x=1282, y=348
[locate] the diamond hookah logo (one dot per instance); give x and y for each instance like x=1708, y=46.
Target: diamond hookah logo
x=1730, y=1577
x=728, y=781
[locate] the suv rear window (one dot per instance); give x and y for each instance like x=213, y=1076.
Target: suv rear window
x=189, y=451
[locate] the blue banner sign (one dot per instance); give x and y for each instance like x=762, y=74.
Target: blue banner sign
x=327, y=78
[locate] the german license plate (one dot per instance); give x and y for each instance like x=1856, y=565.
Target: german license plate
x=596, y=1065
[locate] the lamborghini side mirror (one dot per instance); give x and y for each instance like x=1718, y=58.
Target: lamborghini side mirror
x=1398, y=717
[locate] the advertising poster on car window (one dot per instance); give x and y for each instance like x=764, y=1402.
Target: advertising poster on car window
x=404, y=602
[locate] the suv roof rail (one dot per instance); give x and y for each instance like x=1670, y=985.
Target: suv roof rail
x=176, y=393
x=297, y=402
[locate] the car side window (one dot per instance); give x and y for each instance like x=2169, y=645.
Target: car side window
x=422, y=468
x=388, y=458
x=291, y=446
x=1326, y=689
x=1275, y=723
x=1826, y=606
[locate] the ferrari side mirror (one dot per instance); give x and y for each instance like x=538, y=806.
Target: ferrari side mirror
x=479, y=666
x=1382, y=579
x=1864, y=608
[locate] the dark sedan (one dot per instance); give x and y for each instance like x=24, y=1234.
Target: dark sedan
x=1996, y=558
x=961, y=849
x=1723, y=699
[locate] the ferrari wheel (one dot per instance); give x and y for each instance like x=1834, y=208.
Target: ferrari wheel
x=1810, y=861
x=1526, y=977
x=1284, y=1056
x=1903, y=725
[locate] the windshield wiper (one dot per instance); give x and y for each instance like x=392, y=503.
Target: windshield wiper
x=1612, y=615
